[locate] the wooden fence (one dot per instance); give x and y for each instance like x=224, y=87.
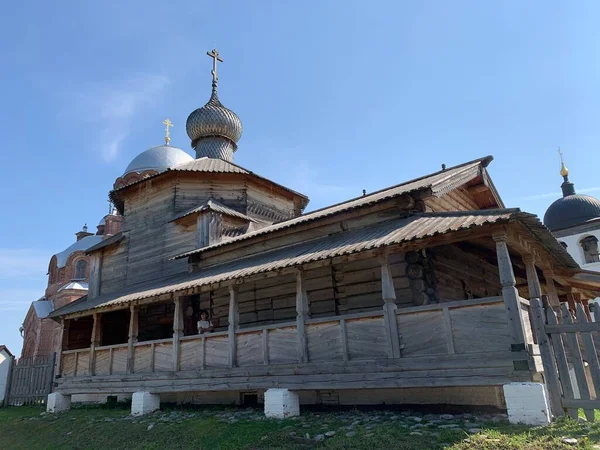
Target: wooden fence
x=568, y=345
x=31, y=380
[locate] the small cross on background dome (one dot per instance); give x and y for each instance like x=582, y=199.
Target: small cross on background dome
x=214, y=54
x=167, y=123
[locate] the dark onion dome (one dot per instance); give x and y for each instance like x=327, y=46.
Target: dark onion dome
x=214, y=129
x=572, y=209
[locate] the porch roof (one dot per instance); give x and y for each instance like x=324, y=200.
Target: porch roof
x=414, y=227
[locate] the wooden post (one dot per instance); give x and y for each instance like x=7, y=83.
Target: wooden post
x=233, y=320
x=590, y=350
x=388, y=293
x=533, y=281
x=551, y=288
x=301, y=316
x=510, y=294
x=550, y=372
x=133, y=335
x=177, y=331
x=571, y=299
x=95, y=342
x=59, y=349
x=265, y=346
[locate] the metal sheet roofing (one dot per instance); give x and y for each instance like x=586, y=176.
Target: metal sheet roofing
x=419, y=226
x=216, y=207
x=106, y=242
x=439, y=183
x=43, y=308
x=81, y=245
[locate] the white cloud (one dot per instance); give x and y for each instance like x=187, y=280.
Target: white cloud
x=112, y=107
x=18, y=299
x=23, y=263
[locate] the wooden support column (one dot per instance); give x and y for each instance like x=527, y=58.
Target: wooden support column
x=233, y=320
x=302, y=316
x=571, y=299
x=551, y=288
x=533, y=281
x=133, y=336
x=510, y=294
x=59, y=349
x=95, y=342
x=388, y=293
x=177, y=331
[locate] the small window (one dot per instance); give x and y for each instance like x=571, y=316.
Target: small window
x=590, y=249
x=80, y=268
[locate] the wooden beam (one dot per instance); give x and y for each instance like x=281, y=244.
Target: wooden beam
x=302, y=315
x=233, y=320
x=133, y=336
x=59, y=349
x=388, y=293
x=95, y=341
x=533, y=282
x=177, y=331
x=551, y=288
x=95, y=274
x=510, y=293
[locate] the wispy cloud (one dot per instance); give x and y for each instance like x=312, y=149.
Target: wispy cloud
x=18, y=299
x=112, y=107
x=558, y=194
x=23, y=263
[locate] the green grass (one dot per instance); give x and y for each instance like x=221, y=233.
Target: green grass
x=206, y=428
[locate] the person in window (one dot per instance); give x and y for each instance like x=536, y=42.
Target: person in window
x=204, y=325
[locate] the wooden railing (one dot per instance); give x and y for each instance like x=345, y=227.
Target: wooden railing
x=467, y=326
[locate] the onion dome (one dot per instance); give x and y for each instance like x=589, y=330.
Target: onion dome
x=157, y=159
x=214, y=129
x=572, y=209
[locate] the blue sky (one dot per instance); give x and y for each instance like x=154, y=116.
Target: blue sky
x=334, y=96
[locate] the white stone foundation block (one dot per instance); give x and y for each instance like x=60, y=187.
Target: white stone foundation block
x=58, y=402
x=527, y=403
x=281, y=403
x=144, y=403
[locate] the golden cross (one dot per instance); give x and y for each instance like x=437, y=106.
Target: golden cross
x=167, y=123
x=560, y=154
x=214, y=54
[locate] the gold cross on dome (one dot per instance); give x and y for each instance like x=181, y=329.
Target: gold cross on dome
x=214, y=54
x=167, y=123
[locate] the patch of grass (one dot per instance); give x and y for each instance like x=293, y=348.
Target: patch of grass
x=110, y=427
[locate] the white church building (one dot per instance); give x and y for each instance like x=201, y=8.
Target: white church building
x=575, y=221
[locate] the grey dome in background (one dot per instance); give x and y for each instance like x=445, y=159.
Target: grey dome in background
x=158, y=158
x=571, y=210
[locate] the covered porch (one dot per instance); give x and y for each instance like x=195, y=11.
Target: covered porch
x=424, y=302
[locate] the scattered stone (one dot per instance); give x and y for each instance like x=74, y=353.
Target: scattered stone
x=446, y=416
x=351, y=434
x=416, y=419
x=292, y=434
x=450, y=425
x=150, y=426
x=369, y=435
x=319, y=437
x=569, y=441
x=263, y=438
x=474, y=430
x=416, y=433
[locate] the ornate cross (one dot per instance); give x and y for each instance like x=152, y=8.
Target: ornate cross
x=214, y=54
x=167, y=123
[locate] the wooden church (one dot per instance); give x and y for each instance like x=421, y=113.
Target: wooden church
x=418, y=293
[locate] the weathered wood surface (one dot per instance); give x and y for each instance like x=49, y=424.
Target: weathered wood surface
x=366, y=339
x=30, y=381
x=119, y=360
x=324, y=342
x=591, y=355
x=216, y=351
x=283, y=346
x=422, y=334
x=191, y=356
x=249, y=348
x=480, y=328
x=577, y=361
x=452, y=370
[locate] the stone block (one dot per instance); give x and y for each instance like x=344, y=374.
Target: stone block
x=527, y=403
x=281, y=403
x=144, y=403
x=58, y=402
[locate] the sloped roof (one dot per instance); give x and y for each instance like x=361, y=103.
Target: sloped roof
x=439, y=183
x=4, y=348
x=82, y=285
x=106, y=242
x=82, y=244
x=215, y=206
x=208, y=165
x=415, y=227
x=43, y=308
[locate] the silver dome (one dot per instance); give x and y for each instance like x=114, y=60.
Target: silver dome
x=158, y=158
x=213, y=119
